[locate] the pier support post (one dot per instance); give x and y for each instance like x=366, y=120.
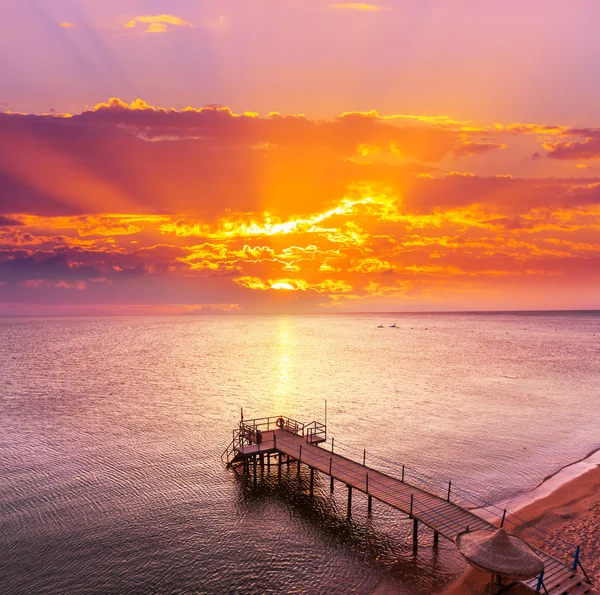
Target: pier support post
x=262, y=464
x=576, y=559
x=436, y=537
x=299, y=458
x=312, y=480
x=330, y=475
x=279, y=467
x=255, y=470
x=370, y=504
x=269, y=462
x=288, y=461
x=415, y=532
x=349, y=501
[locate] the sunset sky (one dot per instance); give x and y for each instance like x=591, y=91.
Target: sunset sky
x=198, y=156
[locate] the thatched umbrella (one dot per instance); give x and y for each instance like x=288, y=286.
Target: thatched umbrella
x=499, y=553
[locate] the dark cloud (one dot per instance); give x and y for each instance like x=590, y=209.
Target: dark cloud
x=44, y=267
x=125, y=160
x=9, y=221
x=474, y=148
x=219, y=126
x=70, y=265
x=20, y=196
x=508, y=222
x=577, y=150
x=506, y=195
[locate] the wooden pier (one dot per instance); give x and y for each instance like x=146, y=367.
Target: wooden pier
x=290, y=441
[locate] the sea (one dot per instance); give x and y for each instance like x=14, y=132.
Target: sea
x=112, y=431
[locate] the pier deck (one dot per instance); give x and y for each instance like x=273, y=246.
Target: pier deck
x=444, y=517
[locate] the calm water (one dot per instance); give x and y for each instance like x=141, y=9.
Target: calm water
x=111, y=431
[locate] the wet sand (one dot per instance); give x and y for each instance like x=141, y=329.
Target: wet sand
x=572, y=513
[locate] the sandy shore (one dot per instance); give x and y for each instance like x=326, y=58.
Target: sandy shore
x=572, y=512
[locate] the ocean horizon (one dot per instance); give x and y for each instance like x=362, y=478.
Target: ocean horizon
x=209, y=313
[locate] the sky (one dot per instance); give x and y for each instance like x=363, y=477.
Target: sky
x=194, y=156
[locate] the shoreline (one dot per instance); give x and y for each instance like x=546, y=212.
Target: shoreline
x=552, y=483
x=546, y=487
x=566, y=505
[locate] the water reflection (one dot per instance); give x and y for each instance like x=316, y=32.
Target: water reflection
x=285, y=363
x=384, y=547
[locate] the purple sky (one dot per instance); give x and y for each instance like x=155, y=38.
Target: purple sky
x=496, y=60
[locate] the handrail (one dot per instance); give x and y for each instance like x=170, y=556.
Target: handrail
x=231, y=448
x=265, y=424
x=562, y=546
x=447, y=522
x=315, y=428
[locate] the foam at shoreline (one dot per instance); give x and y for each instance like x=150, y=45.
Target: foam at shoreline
x=514, y=504
x=552, y=483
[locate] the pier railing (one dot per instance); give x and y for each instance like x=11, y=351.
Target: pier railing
x=412, y=504
x=231, y=450
x=562, y=549
x=315, y=432
x=252, y=427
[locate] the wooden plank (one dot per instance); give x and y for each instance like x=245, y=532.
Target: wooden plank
x=585, y=588
x=478, y=527
x=551, y=570
x=558, y=578
x=443, y=523
x=565, y=585
x=456, y=515
x=557, y=573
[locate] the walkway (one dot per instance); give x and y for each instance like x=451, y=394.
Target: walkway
x=442, y=516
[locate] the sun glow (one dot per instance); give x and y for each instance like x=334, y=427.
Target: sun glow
x=283, y=286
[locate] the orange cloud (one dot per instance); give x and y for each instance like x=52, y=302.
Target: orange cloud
x=67, y=25
x=161, y=23
x=358, y=6
x=516, y=128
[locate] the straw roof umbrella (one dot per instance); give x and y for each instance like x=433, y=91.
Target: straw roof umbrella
x=499, y=553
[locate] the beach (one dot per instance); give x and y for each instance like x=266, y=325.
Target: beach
x=572, y=513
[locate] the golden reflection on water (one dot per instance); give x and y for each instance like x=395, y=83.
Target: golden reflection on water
x=285, y=362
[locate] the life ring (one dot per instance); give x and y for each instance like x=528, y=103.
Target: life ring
x=279, y=423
